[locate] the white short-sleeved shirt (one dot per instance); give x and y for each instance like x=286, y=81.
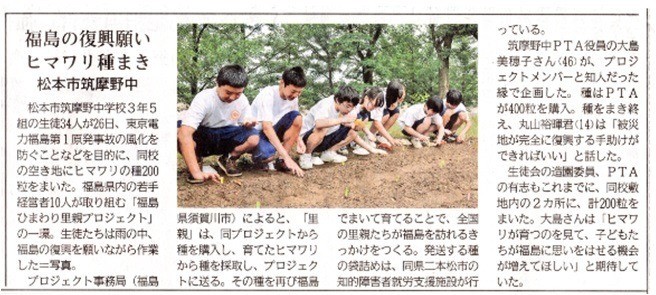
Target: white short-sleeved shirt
x=324, y=109
x=268, y=106
x=209, y=111
x=414, y=113
x=460, y=107
x=376, y=114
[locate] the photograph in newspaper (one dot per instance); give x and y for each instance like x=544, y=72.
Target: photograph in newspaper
x=322, y=115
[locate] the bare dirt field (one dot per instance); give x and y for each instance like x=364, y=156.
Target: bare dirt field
x=431, y=177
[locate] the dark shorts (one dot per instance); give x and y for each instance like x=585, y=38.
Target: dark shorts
x=219, y=141
x=265, y=149
x=452, y=120
x=414, y=126
x=330, y=139
x=391, y=113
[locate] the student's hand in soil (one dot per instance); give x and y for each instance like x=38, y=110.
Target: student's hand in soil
x=206, y=176
x=461, y=138
x=424, y=138
x=397, y=142
x=293, y=167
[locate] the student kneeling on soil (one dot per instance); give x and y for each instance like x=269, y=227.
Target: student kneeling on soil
x=394, y=97
x=276, y=110
x=454, y=115
x=419, y=120
x=218, y=122
x=328, y=127
x=370, y=108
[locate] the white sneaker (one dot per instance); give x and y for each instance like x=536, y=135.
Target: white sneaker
x=331, y=156
x=270, y=166
x=416, y=143
x=305, y=161
x=360, y=151
x=316, y=161
x=343, y=151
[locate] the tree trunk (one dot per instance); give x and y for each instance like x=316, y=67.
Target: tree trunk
x=443, y=73
x=443, y=76
x=193, y=80
x=330, y=72
x=367, y=75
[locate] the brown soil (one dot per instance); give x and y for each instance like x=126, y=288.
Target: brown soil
x=431, y=177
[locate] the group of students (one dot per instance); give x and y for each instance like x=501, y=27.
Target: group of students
x=220, y=121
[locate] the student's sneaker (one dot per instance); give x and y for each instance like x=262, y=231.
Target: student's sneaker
x=271, y=166
x=343, y=151
x=416, y=143
x=305, y=161
x=279, y=164
x=332, y=156
x=451, y=138
x=316, y=161
x=229, y=166
x=360, y=151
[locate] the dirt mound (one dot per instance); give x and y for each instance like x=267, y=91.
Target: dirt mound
x=431, y=177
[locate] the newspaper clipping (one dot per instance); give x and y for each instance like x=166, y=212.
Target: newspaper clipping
x=335, y=147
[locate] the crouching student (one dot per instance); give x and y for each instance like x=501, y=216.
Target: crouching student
x=420, y=120
x=276, y=110
x=218, y=122
x=454, y=115
x=394, y=97
x=328, y=126
x=370, y=109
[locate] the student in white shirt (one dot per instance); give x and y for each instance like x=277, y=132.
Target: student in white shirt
x=328, y=126
x=419, y=120
x=454, y=115
x=276, y=110
x=370, y=109
x=218, y=122
x=394, y=96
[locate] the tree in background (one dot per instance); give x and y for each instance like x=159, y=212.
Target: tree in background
x=362, y=55
x=442, y=38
